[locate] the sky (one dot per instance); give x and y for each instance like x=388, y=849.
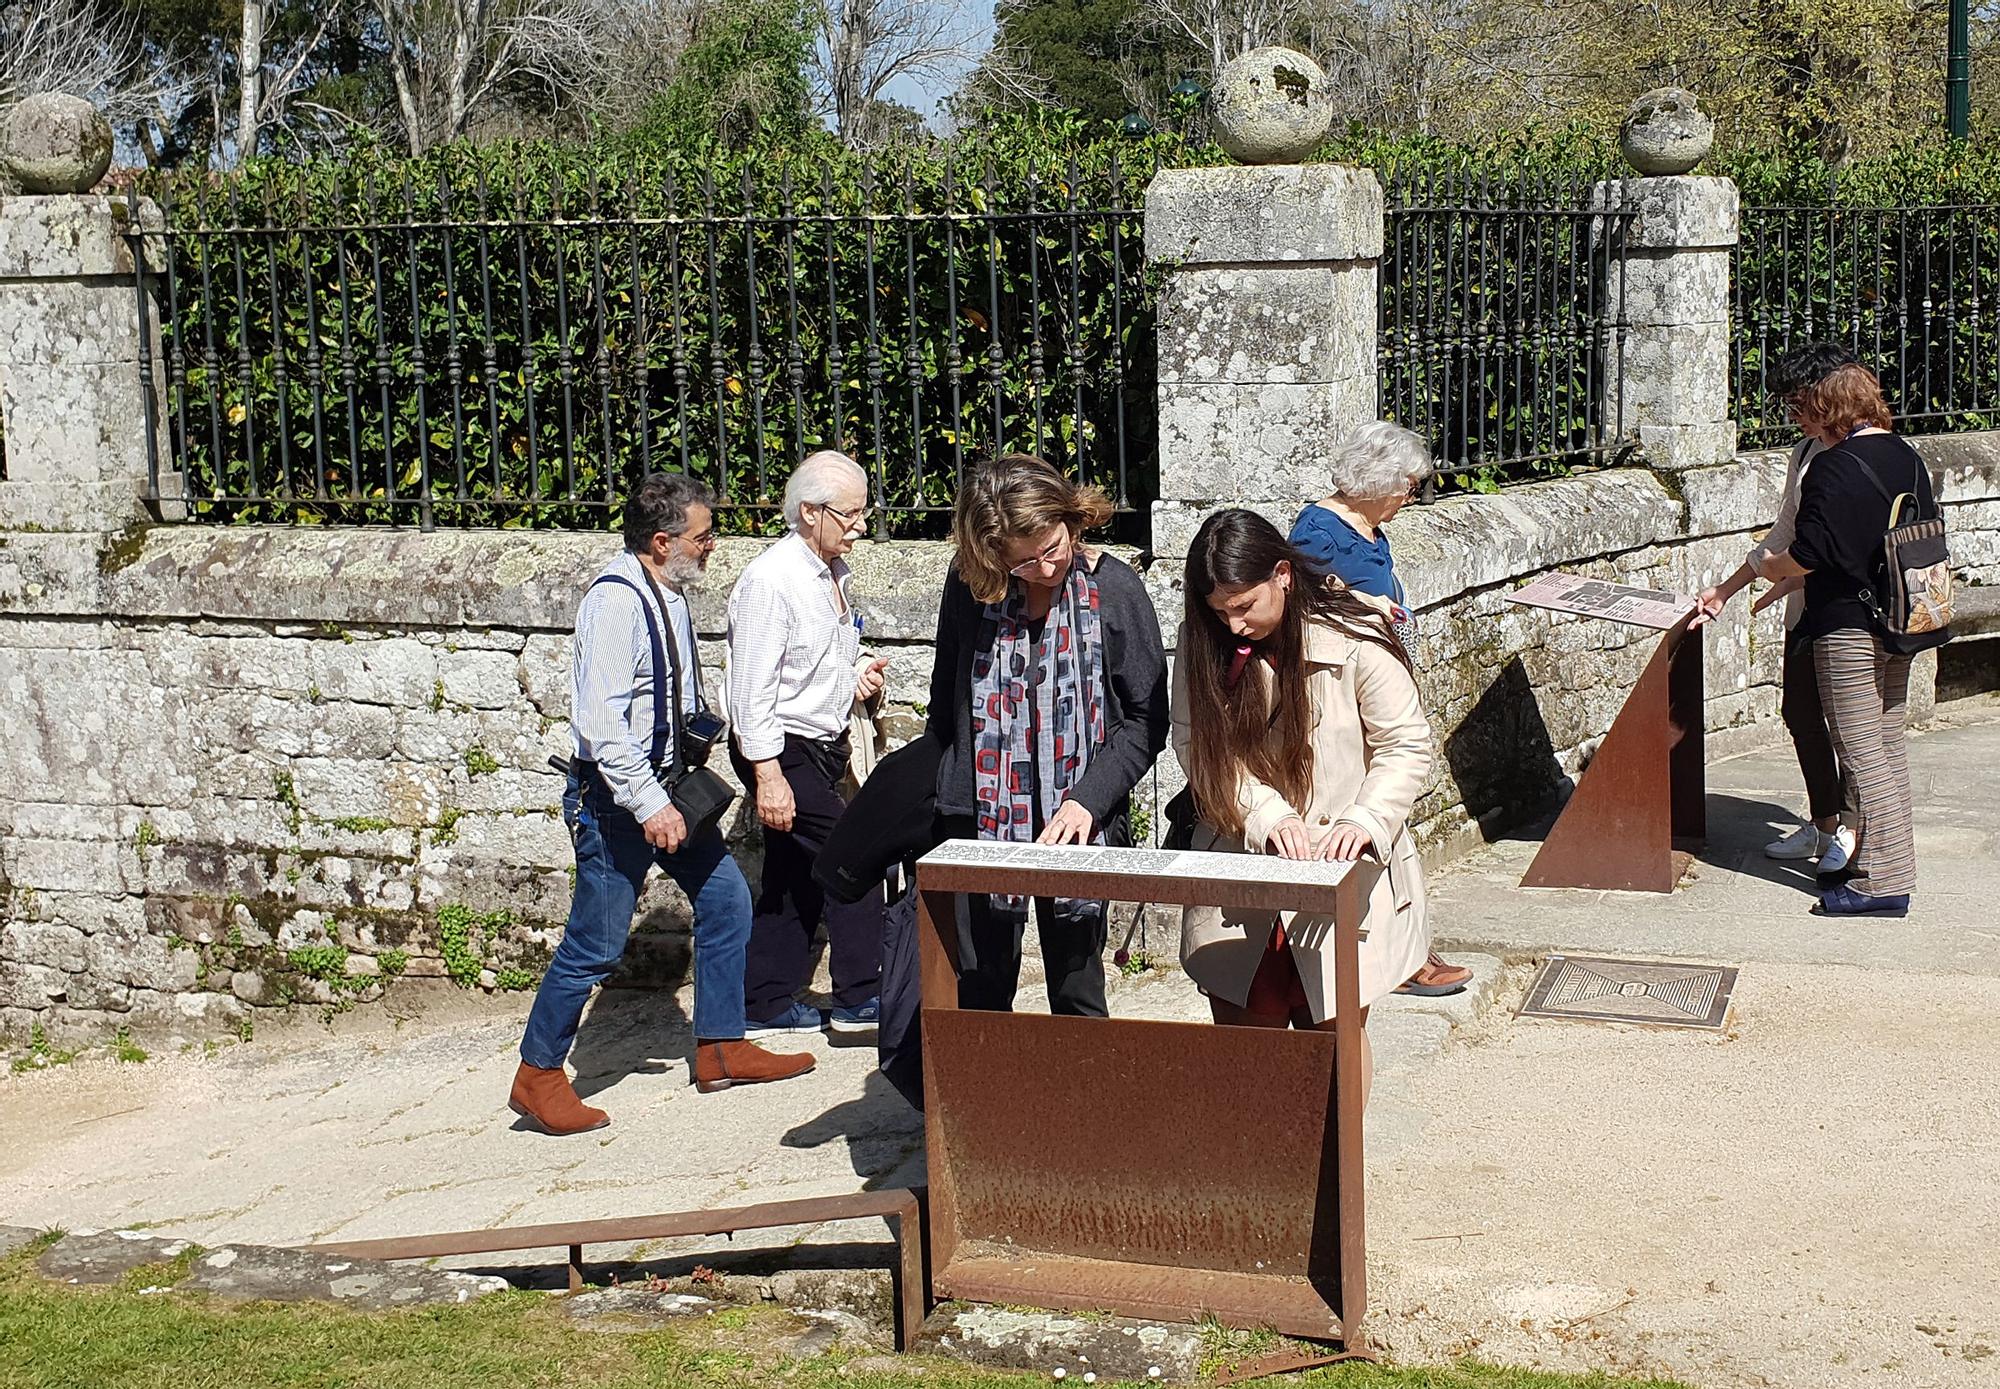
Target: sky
x=977, y=26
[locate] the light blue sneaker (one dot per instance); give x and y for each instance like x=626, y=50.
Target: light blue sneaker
x=797, y=1018
x=865, y=1018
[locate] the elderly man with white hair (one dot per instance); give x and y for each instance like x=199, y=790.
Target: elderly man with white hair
x=796, y=671
x=1375, y=470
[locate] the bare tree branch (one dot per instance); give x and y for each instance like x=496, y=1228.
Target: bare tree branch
x=865, y=45
x=1223, y=29
x=60, y=46
x=452, y=59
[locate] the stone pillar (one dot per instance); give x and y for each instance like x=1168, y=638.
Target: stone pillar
x=1669, y=376
x=1266, y=334
x=75, y=415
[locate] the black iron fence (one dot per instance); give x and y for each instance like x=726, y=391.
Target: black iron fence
x=338, y=348
x=1500, y=321
x=517, y=350
x=1915, y=291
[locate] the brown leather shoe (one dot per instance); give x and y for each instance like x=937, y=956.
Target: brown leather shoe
x=1437, y=978
x=548, y=1101
x=719, y=1065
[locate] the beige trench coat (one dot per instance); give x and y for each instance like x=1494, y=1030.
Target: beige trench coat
x=1371, y=753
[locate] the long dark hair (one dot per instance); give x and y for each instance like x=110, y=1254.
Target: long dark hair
x=1263, y=727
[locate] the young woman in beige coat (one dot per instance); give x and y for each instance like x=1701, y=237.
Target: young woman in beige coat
x=1296, y=718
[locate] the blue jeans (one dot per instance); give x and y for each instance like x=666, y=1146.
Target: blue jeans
x=612, y=859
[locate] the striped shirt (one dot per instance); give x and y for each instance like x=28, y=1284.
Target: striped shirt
x=611, y=683
x=793, y=648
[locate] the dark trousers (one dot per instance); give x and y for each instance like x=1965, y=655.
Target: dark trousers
x=1072, y=937
x=1805, y=720
x=790, y=906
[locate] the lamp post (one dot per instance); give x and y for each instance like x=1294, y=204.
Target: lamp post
x=1958, y=72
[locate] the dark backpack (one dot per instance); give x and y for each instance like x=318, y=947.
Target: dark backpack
x=1912, y=595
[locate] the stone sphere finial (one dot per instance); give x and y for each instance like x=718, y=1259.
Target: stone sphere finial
x=57, y=143
x=1665, y=132
x=1271, y=106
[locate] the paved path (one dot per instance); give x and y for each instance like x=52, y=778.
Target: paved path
x=405, y=1131
x=1804, y=1200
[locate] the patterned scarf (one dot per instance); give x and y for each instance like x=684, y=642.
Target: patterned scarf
x=1032, y=740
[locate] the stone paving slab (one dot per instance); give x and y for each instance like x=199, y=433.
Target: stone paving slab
x=402, y=1133
x=1066, y=1347
x=1741, y=906
x=257, y=1273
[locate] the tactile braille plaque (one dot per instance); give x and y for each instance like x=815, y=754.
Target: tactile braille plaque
x=1656, y=992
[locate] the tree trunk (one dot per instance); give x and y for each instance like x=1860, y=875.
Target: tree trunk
x=847, y=51
x=249, y=79
x=469, y=37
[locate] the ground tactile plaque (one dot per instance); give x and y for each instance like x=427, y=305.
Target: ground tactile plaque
x=1659, y=993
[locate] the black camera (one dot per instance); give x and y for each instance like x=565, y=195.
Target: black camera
x=699, y=735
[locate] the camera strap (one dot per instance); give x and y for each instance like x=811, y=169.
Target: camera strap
x=666, y=747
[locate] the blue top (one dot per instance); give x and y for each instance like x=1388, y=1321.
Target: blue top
x=1333, y=546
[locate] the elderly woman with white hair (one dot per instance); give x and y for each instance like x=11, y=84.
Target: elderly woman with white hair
x=796, y=671
x=1375, y=470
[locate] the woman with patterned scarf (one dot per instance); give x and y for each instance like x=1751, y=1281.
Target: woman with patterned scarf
x=1049, y=697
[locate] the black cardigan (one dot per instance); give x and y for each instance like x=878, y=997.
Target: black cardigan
x=1843, y=511
x=1135, y=705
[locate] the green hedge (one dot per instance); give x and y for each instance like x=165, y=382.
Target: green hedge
x=343, y=309
x=303, y=298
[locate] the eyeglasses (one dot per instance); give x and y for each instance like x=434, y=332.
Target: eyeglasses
x=1051, y=555
x=703, y=540
x=853, y=520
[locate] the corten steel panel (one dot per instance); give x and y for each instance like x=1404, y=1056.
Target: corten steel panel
x=1136, y=1141
x=1641, y=804
x=1157, y=1169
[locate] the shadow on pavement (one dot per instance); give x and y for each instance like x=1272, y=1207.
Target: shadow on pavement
x=638, y=1031
x=548, y=1273
x=1738, y=830
x=885, y=1136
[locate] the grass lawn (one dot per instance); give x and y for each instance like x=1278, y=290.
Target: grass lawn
x=61, y=1337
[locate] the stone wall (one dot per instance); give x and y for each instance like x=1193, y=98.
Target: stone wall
x=252, y=768
x=263, y=768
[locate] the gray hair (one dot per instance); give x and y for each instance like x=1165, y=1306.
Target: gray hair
x=1379, y=459
x=818, y=480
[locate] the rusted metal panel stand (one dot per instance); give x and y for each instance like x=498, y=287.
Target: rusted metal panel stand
x=1165, y=1170
x=903, y=1209
x=1640, y=809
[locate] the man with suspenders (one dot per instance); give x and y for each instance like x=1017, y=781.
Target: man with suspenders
x=622, y=820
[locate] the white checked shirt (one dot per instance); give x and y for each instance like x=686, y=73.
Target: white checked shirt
x=793, y=649
x=611, y=682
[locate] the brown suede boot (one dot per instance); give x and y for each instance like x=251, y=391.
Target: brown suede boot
x=719, y=1065
x=548, y=1101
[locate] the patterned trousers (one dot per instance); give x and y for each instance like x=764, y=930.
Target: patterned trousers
x=1863, y=688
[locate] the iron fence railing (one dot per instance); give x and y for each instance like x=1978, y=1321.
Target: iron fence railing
x=1500, y=322
x=486, y=355
x=1915, y=291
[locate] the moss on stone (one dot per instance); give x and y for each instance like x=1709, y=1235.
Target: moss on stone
x=122, y=550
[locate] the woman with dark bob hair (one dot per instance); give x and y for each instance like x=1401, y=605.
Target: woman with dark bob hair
x=1844, y=508
x=1049, y=697
x=1296, y=718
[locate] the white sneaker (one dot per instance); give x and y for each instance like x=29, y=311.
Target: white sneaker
x=1804, y=842
x=1839, y=849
